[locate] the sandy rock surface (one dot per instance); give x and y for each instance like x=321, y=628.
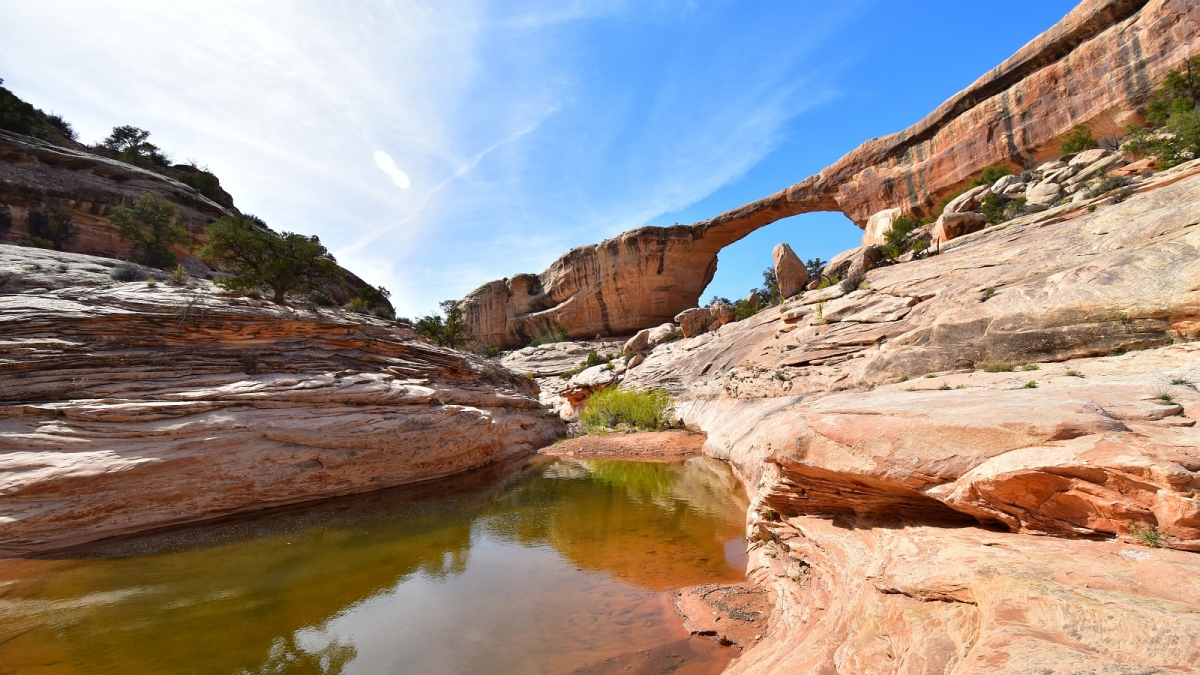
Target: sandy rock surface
x=126, y=406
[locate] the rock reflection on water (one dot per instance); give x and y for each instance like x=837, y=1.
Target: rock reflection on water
x=539, y=566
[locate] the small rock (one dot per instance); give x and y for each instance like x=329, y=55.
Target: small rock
x=1004, y=183
x=664, y=333
x=636, y=361
x=1088, y=157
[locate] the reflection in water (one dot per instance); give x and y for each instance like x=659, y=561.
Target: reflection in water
x=542, y=566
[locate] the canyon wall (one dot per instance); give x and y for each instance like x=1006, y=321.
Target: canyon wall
x=129, y=406
x=1097, y=67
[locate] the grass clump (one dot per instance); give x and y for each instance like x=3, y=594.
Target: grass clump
x=127, y=271
x=616, y=408
x=1031, y=366
x=1071, y=372
x=558, y=335
x=1183, y=381
x=997, y=368
x=1147, y=535
x=1032, y=384
x=593, y=359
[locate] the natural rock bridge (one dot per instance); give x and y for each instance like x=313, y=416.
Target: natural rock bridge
x=1096, y=67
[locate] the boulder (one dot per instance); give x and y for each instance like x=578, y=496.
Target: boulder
x=789, y=271
x=967, y=201
x=878, y=225
x=1004, y=183
x=636, y=361
x=1137, y=168
x=723, y=312
x=1016, y=189
x=1042, y=195
x=1097, y=169
x=858, y=260
x=1050, y=166
x=664, y=333
x=1088, y=157
x=952, y=225
x=637, y=343
x=753, y=299
x=694, y=321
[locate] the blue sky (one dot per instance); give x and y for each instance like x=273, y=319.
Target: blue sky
x=436, y=145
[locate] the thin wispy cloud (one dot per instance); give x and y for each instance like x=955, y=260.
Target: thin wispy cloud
x=436, y=144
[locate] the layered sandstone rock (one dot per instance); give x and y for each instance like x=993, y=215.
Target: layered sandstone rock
x=126, y=406
x=985, y=461
x=1097, y=67
x=34, y=173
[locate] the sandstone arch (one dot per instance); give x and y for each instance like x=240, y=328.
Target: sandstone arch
x=1096, y=67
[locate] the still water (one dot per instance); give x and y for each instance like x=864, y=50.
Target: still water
x=542, y=566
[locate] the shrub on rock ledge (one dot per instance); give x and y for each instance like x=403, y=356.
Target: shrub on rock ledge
x=150, y=225
x=259, y=258
x=612, y=409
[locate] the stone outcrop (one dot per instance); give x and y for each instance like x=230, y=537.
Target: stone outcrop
x=34, y=173
x=127, y=406
x=694, y=321
x=984, y=461
x=790, y=272
x=1097, y=67
x=878, y=225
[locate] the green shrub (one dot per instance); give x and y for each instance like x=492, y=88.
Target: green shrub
x=745, y=310
x=1173, y=116
x=814, y=267
x=451, y=331
x=622, y=408
x=373, y=300
x=203, y=181
x=1147, y=535
x=997, y=368
x=127, y=271
x=990, y=175
x=52, y=225
x=1032, y=384
x=903, y=237
x=258, y=258
x=1077, y=140
x=1071, y=372
x=131, y=145
x=150, y=224
x=179, y=277
x=559, y=335
x=1030, y=366
x=20, y=117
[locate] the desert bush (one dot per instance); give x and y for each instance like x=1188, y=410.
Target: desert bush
x=852, y=282
x=257, y=258
x=997, y=368
x=616, y=408
x=150, y=224
x=449, y=331
x=1109, y=184
x=373, y=300
x=1173, y=119
x=179, y=276
x=1147, y=535
x=814, y=267
x=990, y=175
x=51, y=225
x=127, y=271
x=903, y=236
x=1077, y=140
x=132, y=146
x=20, y=117
x=558, y=335
x=201, y=180
x=745, y=310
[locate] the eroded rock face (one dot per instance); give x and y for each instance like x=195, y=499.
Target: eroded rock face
x=1096, y=67
x=914, y=512
x=128, y=406
x=33, y=173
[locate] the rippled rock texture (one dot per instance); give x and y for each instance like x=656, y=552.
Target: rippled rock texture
x=125, y=406
x=986, y=461
x=1097, y=67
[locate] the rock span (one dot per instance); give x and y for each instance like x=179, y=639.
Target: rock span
x=1096, y=67
x=127, y=406
x=984, y=461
